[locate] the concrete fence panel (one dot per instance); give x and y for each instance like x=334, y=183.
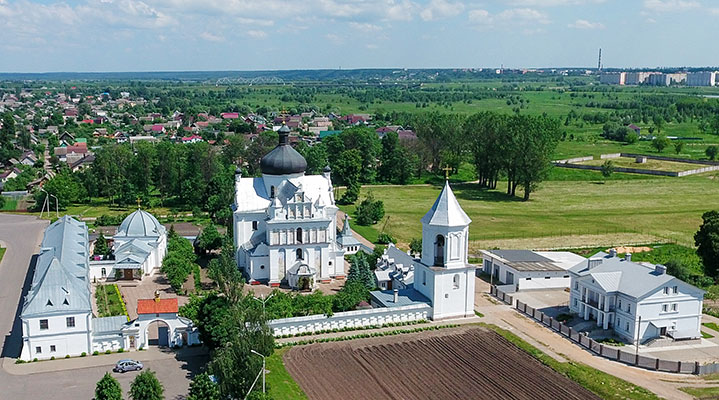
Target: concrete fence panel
x=668, y=366
x=556, y=325
x=610, y=352
x=608, y=156
x=595, y=346
x=628, y=358
x=585, y=341
x=647, y=362
x=564, y=330
x=574, y=335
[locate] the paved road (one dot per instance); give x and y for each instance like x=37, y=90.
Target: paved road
x=63, y=379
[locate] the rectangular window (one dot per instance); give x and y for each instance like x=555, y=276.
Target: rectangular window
x=576, y=285
x=52, y=348
x=626, y=328
x=674, y=307
x=43, y=324
x=70, y=322
x=666, y=290
x=665, y=307
x=629, y=308
x=619, y=322
x=676, y=289
x=38, y=349
x=575, y=302
x=547, y=277
x=529, y=279
x=254, y=225
x=619, y=304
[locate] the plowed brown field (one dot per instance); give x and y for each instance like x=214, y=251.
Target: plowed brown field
x=459, y=364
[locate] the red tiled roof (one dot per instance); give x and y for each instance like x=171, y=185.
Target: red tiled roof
x=162, y=306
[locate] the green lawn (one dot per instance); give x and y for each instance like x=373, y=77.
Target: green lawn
x=109, y=303
x=604, y=385
x=2, y=253
x=706, y=335
x=702, y=392
x=711, y=325
x=9, y=205
x=623, y=211
x=279, y=382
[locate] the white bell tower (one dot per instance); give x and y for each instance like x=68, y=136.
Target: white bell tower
x=445, y=277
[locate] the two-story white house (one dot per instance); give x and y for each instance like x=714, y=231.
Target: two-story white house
x=57, y=313
x=638, y=301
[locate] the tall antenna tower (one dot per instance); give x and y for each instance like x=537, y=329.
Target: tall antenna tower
x=599, y=62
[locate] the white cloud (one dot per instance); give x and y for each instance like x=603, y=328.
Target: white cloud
x=371, y=46
x=437, y=9
x=480, y=17
x=584, y=24
x=670, y=5
x=365, y=27
x=256, y=34
x=552, y=3
x=510, y=18
x=335, y=39
x=210, y=37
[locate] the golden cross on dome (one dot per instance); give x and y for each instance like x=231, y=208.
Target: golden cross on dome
x=446, y=170
x=138, y=202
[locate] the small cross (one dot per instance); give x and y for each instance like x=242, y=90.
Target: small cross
x=446, y=170
x=138, y=202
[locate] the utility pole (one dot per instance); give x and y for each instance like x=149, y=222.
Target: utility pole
x=264, y=371
x=57, y=207
x=639, y=327
x=599, y=63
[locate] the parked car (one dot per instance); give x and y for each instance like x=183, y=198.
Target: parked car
x=127, y=365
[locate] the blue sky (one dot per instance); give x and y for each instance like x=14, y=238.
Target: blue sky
x=170, y=35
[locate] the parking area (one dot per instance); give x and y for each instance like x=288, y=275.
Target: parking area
x=551, y=301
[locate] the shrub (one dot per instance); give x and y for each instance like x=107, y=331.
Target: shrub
x=83, y=354
x=385, y=238
x=94, y=353
x=120, y=350
x=108, y=352
x=67, y=356
x=34, y=359
x=52, y=358
x=19, y=361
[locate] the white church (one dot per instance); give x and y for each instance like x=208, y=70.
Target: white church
x=442, y=278
x=139, y=245
x=285, y=222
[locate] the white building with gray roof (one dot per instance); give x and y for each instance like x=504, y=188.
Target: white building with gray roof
x=638, y=301
x=516, y=270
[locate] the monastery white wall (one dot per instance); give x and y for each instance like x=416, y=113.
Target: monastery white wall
x=350, y=319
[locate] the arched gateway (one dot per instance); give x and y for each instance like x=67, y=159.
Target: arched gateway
x=174, y=331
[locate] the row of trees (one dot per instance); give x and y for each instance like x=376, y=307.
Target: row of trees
x=517, y=147
x=179, y=262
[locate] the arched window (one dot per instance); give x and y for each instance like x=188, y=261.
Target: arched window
x=272, y=192
x=439, y=250
x=299, y=254
x=299, y=235
x=455, y=281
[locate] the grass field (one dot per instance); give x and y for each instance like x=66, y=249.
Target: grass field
x=9, y=205
x=279, y=382
x=561, y=214
x=702, y=392
x=655, y=165
x=2, y=252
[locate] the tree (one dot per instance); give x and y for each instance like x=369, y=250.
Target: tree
x=209, y=239
x=145, y=386
x=678, y=147
x=707, y=242
x=202, y=388
x=712, y=152
x=360, y=271
x=415, y=246
x=65, y=186
x=658, y=122
x=607, y=168
x=101, y=246
x=370, y=211
x=108, y=388
x=660, y=143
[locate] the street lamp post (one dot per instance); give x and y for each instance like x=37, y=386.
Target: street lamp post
x=264, y=371
x=57, y=206
x=263, y=300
